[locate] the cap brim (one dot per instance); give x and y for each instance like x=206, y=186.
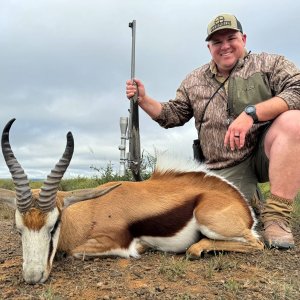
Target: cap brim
x=210, y=35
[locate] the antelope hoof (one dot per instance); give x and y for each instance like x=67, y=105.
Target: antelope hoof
x=194, y=252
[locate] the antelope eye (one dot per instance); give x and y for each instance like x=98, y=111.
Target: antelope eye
x=18, y=230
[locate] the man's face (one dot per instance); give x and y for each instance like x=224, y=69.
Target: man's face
x=226, y=47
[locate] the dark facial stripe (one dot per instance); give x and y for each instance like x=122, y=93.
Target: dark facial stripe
x=53, y=231
x=165, y=224
x=55, y=227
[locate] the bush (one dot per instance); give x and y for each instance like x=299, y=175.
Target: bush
x=77, y=183
x=7, y=184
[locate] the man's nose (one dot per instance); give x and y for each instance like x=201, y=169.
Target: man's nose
x=225, y=45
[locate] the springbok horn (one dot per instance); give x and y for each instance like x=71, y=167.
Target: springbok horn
x=23, y=191
x=47, y=197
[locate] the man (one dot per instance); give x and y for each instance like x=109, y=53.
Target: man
x=247, y=114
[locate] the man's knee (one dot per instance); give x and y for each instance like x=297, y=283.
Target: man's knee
x=288, y=123
x=286, y=128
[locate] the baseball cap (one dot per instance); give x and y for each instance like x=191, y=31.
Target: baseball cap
x=223, y=21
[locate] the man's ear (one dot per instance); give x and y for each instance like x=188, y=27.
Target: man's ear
x=244, y=37
x=208, y=46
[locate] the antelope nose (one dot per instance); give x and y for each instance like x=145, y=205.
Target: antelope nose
x=33, y=274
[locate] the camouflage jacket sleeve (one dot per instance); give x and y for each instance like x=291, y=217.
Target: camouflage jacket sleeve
x=176, y=112
x=285, y=81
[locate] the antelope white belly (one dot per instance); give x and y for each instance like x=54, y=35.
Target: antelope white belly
x=177, y=243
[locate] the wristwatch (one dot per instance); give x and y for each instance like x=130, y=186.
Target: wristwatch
x=250, y=110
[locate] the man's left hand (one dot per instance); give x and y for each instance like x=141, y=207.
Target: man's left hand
x=237, y=130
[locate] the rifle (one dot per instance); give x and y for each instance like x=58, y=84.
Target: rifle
x=134, y=155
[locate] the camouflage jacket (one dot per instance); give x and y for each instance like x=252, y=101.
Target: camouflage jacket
x=256, y=78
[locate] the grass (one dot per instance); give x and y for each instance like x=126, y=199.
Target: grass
x=173, y=268
x=9, y=185
x=49, y=294
x=219, y=263
x=232, y=285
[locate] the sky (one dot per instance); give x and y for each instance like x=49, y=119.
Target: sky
x=64, y=64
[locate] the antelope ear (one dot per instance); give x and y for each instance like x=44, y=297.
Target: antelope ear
x=8, y=197
x=86, y=194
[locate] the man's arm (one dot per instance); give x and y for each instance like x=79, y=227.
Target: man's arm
x=149, y=105
x=265, y=111
x=270, y=109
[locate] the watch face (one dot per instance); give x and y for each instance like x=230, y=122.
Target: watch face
x=250, y=109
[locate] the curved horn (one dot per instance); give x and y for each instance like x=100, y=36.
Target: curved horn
x=23, y=191
x=49, y=189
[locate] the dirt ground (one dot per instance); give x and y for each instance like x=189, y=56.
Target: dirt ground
x=270, y=274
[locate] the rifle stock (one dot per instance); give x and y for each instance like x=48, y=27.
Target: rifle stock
x=134, y=142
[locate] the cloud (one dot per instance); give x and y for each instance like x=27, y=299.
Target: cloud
x=64, y=64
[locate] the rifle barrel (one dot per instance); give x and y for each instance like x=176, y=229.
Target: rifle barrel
x=133, y=30
x=134, y=134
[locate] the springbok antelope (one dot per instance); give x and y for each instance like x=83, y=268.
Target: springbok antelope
x=180, y=208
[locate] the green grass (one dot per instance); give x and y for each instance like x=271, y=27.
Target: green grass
x=232, y=285
x=49, y=294
x=7, y=184
x=217, y=264
x=173, y=268
x=102, y=175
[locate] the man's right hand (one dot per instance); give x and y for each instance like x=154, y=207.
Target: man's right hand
x=149, y=105
x=131, y=88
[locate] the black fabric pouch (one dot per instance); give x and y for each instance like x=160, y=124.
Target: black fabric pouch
x=197, y=150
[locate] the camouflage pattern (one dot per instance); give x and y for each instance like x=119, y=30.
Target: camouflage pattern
x=257, y=77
